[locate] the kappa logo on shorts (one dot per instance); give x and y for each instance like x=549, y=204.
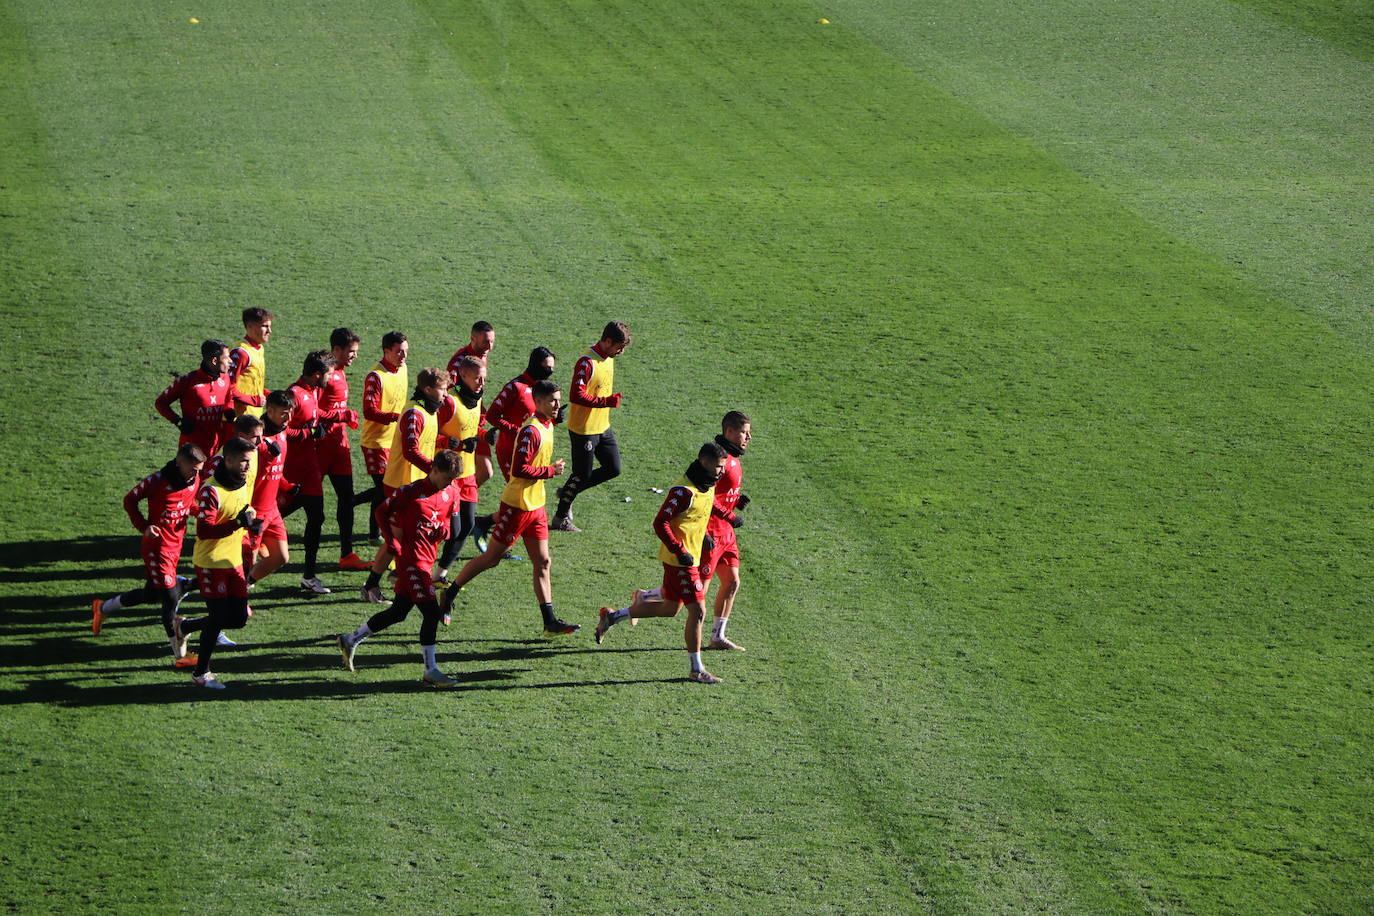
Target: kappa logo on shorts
x=587, y=446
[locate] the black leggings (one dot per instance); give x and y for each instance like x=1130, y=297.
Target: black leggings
x=343, y=510
x=167, y=597
x=225, y=614
x=314, y=524
x=373, y=496
x=600, y=449
x=400, y=609
x=464, y=520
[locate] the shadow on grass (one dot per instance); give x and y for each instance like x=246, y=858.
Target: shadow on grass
x=21, y=554
x=179, y=690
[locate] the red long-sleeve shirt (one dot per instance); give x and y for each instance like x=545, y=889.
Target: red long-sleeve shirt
x=422, y=512
x=727, y=494
x=512, y=406
x=203, y=400
x=333, y=396
x=167, y=508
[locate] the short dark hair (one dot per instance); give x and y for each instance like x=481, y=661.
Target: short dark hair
x=543, y=388
x=342, y=337
x=281, y=397
x=212, y=348
x=191, y=452
x=256, y=315
x=237, y=446
x=617, y=332
x=317, y=361
x=246, y=423
x=391, y=339
x=447, y=460
x=735, y=419
x=710, y=450
x=481, y=327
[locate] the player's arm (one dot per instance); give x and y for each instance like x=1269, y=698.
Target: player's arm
x=678, y=501
x=141, y=491
x=526, y=448
x=412, y=425
x=496, y=413
x=163, y=404
x=582, y=374
x=372, y=400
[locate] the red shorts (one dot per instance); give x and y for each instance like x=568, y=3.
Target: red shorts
x=273, y=529
x=335, y=457
x=222, y=583
x=512, y=523
x=375, y=459
x=726, y=549
x=160, y=558
x=467, y=489
x=683, y=583
x=414, y=582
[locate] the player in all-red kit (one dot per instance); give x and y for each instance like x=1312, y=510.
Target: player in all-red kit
x=722, y=560
x=171, y=493
x=681, y=527
x=302, y=471
x=480, y=342
x=514, y=404
x=275, y=441
x=335, y=454
x=204, y=400
x=416, y=521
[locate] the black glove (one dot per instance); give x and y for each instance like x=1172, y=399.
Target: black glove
x=229, y=415
x=491, y=436
x=255, y=527
x=274, y=449
x=318, y=430
x=243, y=520
x=686, y=559
x=736, y=522
x=742, y=503
x=186, y=425
x=708, y=544
x=561, y=415
x=470, y=444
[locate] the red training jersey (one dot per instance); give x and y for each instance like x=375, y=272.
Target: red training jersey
x=726, y=496
x=203, y=400
x=423, y=513
x=167, y=508
x=508, y=411
x=334, y=396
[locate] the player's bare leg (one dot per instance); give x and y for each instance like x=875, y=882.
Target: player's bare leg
x=725, y=602
x=276, y=557
x=691, y=634
x=483, y=468
x=647, y=603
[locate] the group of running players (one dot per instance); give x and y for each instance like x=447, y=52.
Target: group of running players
x=248, y=457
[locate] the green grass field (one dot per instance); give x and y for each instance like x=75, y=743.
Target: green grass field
x=1054, y=324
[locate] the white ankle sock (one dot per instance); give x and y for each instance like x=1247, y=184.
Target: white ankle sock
x=622, y=614
x=718, y=630
x=111, y=605
x=358, y=635
x=695, y=659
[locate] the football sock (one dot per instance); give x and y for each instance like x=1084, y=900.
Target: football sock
x=622, y=614
x=431, y=662
x=546, y=609
x=358, y=635
x=718, y=629
x=110, y=605
x=695, y=659
x=374, y=579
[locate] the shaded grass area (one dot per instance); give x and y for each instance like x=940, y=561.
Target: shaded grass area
x=1056, y=579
